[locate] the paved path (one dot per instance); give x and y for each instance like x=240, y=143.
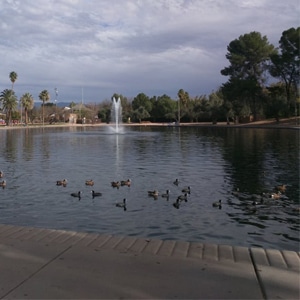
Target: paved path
x=38, y=263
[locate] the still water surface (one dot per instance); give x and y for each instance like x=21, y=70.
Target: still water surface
x=212, y=161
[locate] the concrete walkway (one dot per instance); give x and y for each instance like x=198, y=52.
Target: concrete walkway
x=42, y=264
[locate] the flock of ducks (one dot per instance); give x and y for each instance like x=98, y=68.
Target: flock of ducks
x=90, y=182
x=180, y=198
x=253, y=202
x=276, y=194
x=123, y=204
x=263, y=198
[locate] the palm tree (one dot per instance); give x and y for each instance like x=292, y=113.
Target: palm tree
x=13, y=77
x=44, y=96
x=9, y=103
x=27, y=102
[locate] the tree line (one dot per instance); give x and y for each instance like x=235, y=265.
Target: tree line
x=263, y=82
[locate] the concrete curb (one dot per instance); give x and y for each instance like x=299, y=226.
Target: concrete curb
x=244, y=272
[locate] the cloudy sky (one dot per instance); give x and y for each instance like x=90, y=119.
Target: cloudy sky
x=102, y=47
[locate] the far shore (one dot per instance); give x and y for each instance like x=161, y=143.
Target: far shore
x=289, y=123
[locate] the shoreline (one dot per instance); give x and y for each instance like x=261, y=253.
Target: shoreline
x=39, y=263
x=287, y=123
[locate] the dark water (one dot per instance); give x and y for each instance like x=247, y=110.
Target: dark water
x=212, y=161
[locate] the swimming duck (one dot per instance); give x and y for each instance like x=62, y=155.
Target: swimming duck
x=176, y=204
x=275, y=196
x=153, y=193
x=1, y=174
x=176, y=182
x=62, y=182
x=236, y=192
x=115, y=184
x=126, y=182
x=167, y=194
x=89, y=182
x=96, y=194
x=182, y=197
x=122, y=204
x=217, y=204
x=3, y=183
x=186, y=190
x=296, y=209
x=281, y=188
x=252, y=208
x=77, y=195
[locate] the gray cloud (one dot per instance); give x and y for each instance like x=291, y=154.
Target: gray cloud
x=127, y=47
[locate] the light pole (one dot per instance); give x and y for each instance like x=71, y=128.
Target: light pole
x=179, y=111
x=56, y=94
x=21, y=111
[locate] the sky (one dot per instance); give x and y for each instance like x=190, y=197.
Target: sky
x=90, y=49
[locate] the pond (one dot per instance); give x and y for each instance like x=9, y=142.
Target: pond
x=234, y=165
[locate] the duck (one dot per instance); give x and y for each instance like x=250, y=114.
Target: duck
x=176, y=204
x=96, y=194
x=236, y=192
x=122, y=204
x=126, y=182
x=3, y=183
x=89, y=182
x=1, y=174
x=176, y=182
x=281, y=188
x=252, y=208
x=275, y=196
x=115, y=184
x=186, y=190
x=153, y=193
x=258, y=198
x=182, y=197
x=167, y=194
x=217, y=204
x=77, y=195
x=62, y=182
x=296, y=209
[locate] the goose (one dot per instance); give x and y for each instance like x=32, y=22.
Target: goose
x=167, y=194
x=115, y=184
x=1, y=174
x=186, y=190
x=153, y=193
x=176, y=204
x=96, y=194
x=89, y=182
x=122, y=204
x=176, y=182
x=62, y=182
x=3, y=183
x=77, y=195
x=182, y=197
x=217, y=204
x=126, y=182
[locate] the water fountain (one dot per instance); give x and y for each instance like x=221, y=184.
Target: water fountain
x=116, y=115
